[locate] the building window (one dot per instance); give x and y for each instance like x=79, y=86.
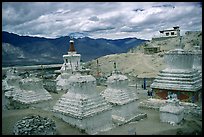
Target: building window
x=167, y=34
x=172, y=33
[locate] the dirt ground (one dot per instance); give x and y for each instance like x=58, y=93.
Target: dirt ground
x=148, y=126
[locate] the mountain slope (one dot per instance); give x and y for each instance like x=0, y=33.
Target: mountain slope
x=46, y=51
x=136, y=63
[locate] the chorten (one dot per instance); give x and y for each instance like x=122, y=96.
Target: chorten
x=12, y=80
x=123, y=99
x=70, y=65
x=179, y=77
x=30, y=91
x=83, y=107
x=197, y=62
x=172, y=112
x=72, y=59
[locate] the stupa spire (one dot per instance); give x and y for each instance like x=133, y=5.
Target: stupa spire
x=71, y=47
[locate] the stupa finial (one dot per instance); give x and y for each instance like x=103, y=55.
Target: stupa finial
x=71, y=47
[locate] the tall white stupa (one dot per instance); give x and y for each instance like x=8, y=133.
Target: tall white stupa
x=70, y=65
x=72, y=59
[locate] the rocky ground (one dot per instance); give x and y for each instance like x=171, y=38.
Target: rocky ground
x=148, y=126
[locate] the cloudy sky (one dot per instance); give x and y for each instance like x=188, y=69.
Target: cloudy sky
x=110, y=20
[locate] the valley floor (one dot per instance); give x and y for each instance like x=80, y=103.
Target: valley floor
x=148, y=126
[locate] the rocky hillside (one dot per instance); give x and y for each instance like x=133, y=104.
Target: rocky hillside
x=189, y=40
x=136, y=63
x=26, y=50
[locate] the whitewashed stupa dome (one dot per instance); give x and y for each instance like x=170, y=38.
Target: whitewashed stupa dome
x=179, y=59
x=117, y=81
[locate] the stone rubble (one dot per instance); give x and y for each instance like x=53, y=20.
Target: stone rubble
x=35, y=125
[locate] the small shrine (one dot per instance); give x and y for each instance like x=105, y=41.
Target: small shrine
x=172, y=112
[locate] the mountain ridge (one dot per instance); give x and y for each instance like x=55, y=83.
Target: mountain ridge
x=46, y=50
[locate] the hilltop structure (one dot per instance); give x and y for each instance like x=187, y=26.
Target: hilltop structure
x=83, y=107
x=179, y=77
x=168, y=33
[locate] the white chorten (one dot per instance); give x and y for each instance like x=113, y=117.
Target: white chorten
x=124, y=100
x=172, y=113
x=72, y=59
x=12, y=80
x=30, y=91
x=70, y=65
x=83, y=107
x=197, y=62
x=179, y=77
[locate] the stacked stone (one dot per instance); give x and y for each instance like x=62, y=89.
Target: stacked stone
x=83, y=107
x=124, y=100
x=35, y=125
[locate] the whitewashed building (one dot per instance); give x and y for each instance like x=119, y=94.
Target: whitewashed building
x=170, y=32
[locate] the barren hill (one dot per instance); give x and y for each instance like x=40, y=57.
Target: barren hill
x=137, y=63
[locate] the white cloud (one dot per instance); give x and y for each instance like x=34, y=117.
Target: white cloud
x=99, y=19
